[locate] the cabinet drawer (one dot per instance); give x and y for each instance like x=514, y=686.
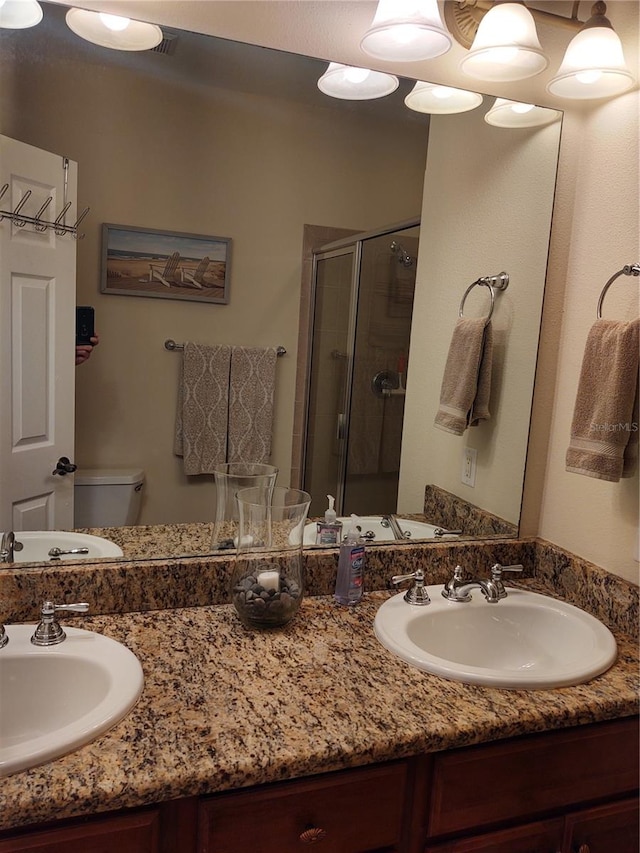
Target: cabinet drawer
x=125, y=834
x=542, y=837
x=484, y=785
x=606, y=829
x=353, y=811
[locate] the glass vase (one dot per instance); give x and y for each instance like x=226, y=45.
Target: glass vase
x=267, y=583
x=230, y=478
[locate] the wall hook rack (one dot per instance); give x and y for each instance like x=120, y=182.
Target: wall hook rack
x=20, y=219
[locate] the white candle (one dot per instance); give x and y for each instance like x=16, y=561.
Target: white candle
x=269, y=580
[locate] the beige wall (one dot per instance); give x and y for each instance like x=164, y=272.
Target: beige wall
x=200, y=160
x=596, y=232
x=491, y=213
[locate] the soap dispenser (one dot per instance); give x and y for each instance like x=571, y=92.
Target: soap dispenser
x=350, y=579
x=329, y=530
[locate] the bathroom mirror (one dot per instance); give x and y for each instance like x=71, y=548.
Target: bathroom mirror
x=207, y=136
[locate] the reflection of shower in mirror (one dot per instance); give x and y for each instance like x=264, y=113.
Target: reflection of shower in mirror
x=404, y=257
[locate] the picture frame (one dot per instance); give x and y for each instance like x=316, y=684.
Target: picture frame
x=165, y=264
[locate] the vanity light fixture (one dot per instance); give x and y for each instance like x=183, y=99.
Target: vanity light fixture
x=593, y=65
x=506, y=46
x=19, y=14
x=433, y=98
x=356, y=84
x=506, y=113
x=503, y=45
x=406, y=31
x=113, y=31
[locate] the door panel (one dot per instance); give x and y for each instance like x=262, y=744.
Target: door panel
x=37, y=341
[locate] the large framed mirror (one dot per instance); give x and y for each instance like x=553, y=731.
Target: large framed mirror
x=209, y=136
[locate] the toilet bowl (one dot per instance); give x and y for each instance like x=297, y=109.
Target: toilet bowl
x=107, y=497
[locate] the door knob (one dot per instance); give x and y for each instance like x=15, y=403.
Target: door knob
x=63, y=466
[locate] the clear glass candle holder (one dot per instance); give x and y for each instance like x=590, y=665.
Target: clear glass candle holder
x=267, y=583
x=230, y=478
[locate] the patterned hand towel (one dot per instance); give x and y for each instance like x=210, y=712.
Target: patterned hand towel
x=251, y=395
x=466, y=382
x=604, y=429
x=203, y=408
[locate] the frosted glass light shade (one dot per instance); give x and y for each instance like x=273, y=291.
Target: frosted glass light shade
x=406, y=31
x=356, y=84
x=91, y=26
x=506, y=113
x=432, y=98
x=593, y=67
x=20, y=14
x=506, y=46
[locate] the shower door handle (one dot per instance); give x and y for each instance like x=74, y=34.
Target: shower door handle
x=341, y=426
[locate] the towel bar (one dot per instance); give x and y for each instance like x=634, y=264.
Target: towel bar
x=628, y=269
x=172, y=345
x=493, y=282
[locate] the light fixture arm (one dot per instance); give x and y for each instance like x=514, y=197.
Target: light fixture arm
x=463, y=17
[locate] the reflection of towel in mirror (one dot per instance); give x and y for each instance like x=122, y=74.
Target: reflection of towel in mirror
x=251, y=396
x=604, y=430
x=466, y=382
x=203, y=406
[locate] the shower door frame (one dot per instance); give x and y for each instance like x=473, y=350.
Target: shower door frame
x=346, y=245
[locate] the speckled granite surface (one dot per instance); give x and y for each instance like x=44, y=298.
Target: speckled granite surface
x=224, y=708
x=454, y=513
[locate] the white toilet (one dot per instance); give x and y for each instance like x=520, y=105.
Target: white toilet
x=107, y=497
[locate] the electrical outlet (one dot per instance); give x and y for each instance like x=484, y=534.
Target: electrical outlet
x=469, y=458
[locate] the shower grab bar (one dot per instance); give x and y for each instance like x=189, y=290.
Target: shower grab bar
x=500, y=282
x=628, y=269
x=172, y=346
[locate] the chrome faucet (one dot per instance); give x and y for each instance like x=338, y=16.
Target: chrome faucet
x=417, y=592
x=49, y=632
x=457, y=589
x=8, y=546
x=3, y=636
x=496, y=576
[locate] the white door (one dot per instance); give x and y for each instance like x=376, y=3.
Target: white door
x=37, y=341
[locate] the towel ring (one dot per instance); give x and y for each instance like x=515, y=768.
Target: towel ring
x=628, y=269
x=493, y=282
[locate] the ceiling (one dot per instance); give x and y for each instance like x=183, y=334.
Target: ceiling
x=332, y=29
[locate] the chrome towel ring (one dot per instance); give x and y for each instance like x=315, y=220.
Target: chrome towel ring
x=628, y=269
x=493, y=282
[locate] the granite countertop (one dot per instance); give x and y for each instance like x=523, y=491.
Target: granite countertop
x=224, y=708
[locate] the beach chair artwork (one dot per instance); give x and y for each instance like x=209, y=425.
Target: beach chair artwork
x=195, y=278
x=167, y=273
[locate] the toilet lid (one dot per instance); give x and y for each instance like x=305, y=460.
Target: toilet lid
x=108, y=476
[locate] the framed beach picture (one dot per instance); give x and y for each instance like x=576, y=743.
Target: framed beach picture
x=165, y=264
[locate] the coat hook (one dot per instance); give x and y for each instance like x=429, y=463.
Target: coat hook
x=18, y=220
x=42, y=226
x=59, y=227
x=78, y=221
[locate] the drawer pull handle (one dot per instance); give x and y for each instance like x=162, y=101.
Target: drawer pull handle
x=313, y=835
x=584, y=848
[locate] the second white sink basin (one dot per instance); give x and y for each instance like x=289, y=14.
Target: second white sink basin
x=525, y=641
x=381, y=529
x=55, y=699
x=38, y=543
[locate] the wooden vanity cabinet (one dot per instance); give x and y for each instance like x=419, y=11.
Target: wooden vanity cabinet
x=354, y=810
x=568, y=791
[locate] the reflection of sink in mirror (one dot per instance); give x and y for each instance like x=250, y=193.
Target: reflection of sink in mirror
x=377, y=525
x=55, y=699
x=525, y=641
x=38, y=543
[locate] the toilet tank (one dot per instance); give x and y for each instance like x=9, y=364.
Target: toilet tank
x=107, y=497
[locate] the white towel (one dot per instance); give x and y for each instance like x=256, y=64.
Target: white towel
x=251, y=398
x=203, y=408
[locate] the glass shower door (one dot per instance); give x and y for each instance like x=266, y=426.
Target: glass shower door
x=329, y=380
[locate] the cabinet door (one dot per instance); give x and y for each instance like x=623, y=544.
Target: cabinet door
x=348, y=812
x=126, y=834
x=606, y=829
x=540, y=837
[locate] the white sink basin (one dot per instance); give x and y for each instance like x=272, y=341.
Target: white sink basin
x=55, y=699
x=525, y=641
x=37, y=544
x=374, y=523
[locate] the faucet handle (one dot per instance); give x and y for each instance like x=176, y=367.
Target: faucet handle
x=496, y=576
x=49, y=632
x=417, y=592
